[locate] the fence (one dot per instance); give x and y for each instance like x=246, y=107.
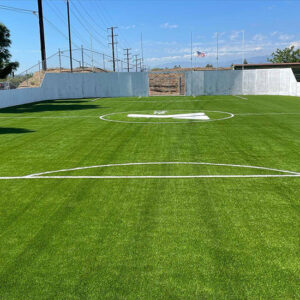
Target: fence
x=83, y=60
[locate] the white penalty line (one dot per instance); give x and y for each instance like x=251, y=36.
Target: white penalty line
x=152, y=177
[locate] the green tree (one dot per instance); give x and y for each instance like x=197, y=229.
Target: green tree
x=245, y=62
x=6, y=66
x=209, y=66
x=287, y=55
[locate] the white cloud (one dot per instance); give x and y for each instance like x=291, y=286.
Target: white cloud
x=216, y=34
x=169, y=26
x=235, y=34
x=258, y=37
x=285, y=37
x=296, y=44
x=274, y=33
x=128, y=27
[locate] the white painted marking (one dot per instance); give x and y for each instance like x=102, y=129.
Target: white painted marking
x=103, y=117
x=43, y=175
x=153, y=177
x=191, y=116
x=44, y=117
x=95, y=99
x=165, y=163
x=160, y=112
x=267, y=113
x=240, y=97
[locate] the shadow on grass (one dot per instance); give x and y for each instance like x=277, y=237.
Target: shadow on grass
x=6, y=130
x=68, y=101
x=56, y=105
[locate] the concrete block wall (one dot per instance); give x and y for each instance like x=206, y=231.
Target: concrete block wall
x=79, y=85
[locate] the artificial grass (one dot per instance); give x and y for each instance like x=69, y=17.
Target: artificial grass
x=203, y=238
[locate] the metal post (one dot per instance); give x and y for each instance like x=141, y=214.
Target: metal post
x=243, y=49
x=70, y=39
x=103, y=62
x=92, y=52
x=40, y=72
x=217, y=51
x=180, y=85
x=42, y=35
x=191, y=50
x=27, y=79
x=59, y=58
x=82, y=57
x=142, y=49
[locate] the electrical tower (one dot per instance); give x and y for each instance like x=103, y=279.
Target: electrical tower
x=113, y=43
x=127, y=58
x=42, y=35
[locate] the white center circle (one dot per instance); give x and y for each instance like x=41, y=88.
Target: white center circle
x=172, y=116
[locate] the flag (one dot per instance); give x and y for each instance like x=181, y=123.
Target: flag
x=200, y=54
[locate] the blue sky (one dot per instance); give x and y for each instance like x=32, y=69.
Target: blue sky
x=166, y=27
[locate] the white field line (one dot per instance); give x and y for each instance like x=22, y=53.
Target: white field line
x=152, y=177
x=240, y=97
x=230, y=115
x=95, y=99
x=163, y=163
x=267, y=113
x=44, y=117
x=165, y=101
x=44, y=174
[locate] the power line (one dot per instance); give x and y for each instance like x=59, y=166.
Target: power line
x=78, y=16
x=16, y=9
x=62, y=18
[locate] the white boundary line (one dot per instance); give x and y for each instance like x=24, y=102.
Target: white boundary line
x=152, y=177
x=285, y=173
x=240, y=97
x=138, y=111
x=45, y=117
x=268, y=113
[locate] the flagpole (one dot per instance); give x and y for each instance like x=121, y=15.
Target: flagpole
x=191, y=50
x=243, y=62
x=243, y=49
x=217, y=51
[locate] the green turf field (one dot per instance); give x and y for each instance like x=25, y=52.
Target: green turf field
x=218, y=228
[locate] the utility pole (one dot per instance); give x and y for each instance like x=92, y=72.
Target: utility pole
x=136, y=62
x=127, y=58
x=70, y=40
x=42, y=35
x=112, y=36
